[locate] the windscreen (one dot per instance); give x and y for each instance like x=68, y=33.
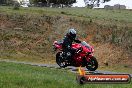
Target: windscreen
x=85, y=44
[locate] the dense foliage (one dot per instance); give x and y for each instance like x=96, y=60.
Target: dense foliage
x=53, y=2
x=5, y=1
x=94, y=3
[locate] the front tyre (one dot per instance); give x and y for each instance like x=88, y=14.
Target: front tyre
x=60, y=60
x=92, y=64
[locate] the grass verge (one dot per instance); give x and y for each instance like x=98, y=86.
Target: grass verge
x=26, y=76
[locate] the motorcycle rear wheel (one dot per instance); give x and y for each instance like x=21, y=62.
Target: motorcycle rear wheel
x=60, y=60
x=92, y=64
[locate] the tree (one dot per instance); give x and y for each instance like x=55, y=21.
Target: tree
x=36, y=1
x=2, y=1
x=6, y=2
x=94, y=3
x=63, y=2
x=55, y=2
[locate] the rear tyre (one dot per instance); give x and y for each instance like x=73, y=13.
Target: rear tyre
x=92, y=64
x=60, y=60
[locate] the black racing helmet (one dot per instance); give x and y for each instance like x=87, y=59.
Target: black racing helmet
x=72, y=33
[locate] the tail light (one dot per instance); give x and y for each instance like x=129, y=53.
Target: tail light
x=54, y=42
x=92, y=50
x=54, y=47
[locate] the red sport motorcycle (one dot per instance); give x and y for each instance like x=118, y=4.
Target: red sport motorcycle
x=83, y=56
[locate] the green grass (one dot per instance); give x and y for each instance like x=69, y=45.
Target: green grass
x=117, y=68
x=94, y=14
x=26, y=76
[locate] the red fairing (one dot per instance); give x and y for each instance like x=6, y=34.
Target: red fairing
x=76, y=46
x=84, y=50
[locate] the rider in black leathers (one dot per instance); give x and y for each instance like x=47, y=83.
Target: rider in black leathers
x=67, y=43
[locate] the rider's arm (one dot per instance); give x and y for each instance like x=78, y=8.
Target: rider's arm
x=77, y=41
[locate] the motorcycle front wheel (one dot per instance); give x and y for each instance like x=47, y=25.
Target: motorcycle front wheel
x=92, y=64
x=60, y=60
